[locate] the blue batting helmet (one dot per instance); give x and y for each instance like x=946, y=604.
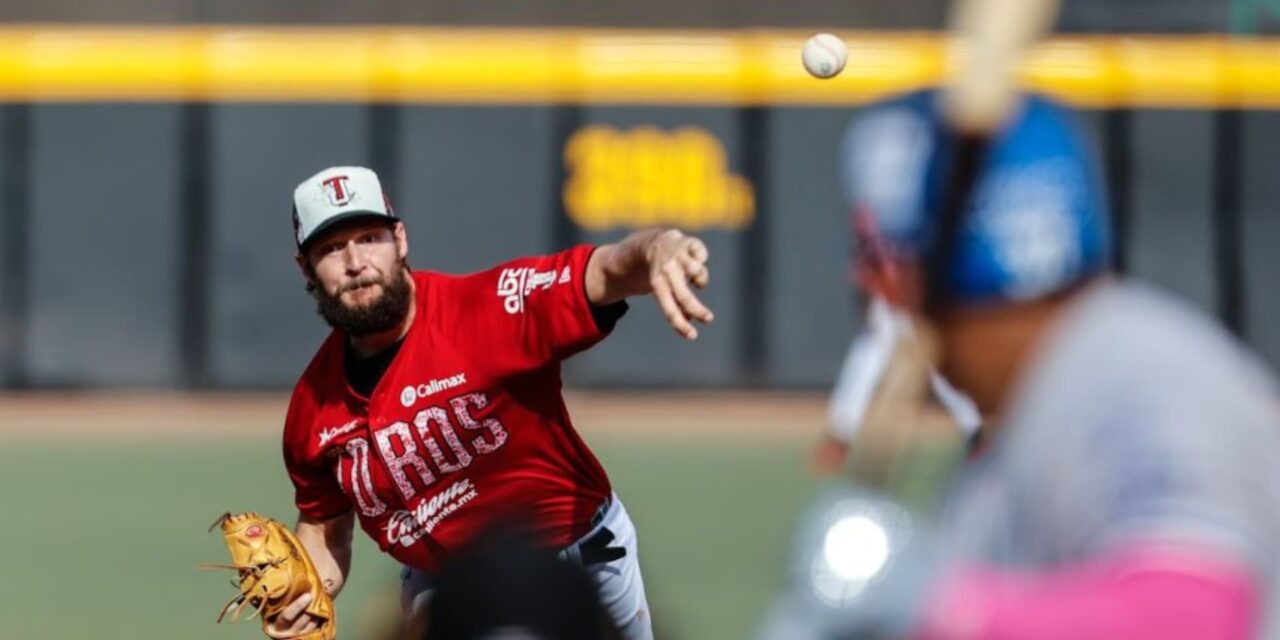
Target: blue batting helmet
x=1036, y=220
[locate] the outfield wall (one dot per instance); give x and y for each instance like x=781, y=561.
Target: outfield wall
x=145, y=177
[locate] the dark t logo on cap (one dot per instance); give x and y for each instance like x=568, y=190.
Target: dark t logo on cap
x=337, y=191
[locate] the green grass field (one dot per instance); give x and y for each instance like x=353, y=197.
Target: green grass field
x=101, y=540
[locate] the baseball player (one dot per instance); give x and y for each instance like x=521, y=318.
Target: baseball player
x=1129, y=487
x=434, y=408
x=872, y=183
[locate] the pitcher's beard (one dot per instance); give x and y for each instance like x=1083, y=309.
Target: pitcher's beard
x=384, y=313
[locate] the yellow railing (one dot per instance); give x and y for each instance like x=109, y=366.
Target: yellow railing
x=432, y=65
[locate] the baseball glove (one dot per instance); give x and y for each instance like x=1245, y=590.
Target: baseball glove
x=274, y=570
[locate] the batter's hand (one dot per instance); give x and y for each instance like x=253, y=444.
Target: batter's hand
x=675, y=262
x=829, y=456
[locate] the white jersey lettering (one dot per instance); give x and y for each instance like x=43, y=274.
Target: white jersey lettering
x=479, y=401
x=441, y=418
x=360, y=482
x=398, y=464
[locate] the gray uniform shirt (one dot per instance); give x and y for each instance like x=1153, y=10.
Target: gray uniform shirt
x=1138, y=419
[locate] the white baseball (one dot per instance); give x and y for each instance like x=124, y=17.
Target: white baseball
x=824, y=55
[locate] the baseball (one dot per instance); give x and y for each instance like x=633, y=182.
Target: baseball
x=824, y=55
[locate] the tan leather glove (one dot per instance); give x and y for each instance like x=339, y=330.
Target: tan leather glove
x=274, y=570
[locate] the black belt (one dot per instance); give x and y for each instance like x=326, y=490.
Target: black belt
x=594, y=548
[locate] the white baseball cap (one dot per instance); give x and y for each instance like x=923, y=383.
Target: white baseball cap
x=334, y=195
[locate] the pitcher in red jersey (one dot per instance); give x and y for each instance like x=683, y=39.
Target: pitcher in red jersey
x=434, y=407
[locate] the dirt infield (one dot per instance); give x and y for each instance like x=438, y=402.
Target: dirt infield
x=649, y=415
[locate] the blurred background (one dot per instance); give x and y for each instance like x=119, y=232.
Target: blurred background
x=152, y=319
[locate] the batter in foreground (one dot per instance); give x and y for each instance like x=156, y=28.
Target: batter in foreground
x=1126, y=487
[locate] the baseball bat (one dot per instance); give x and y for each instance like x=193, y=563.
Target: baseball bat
x=989, y=39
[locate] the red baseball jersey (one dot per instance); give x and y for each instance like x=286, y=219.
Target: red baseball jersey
x=466, y=425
